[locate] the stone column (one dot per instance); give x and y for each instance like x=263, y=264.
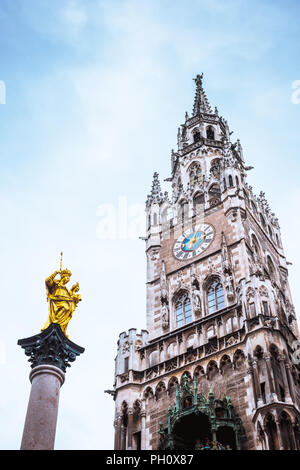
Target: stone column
x=270, y=377
x=50, y=353
x=281, y=447
x=129, y=429
x=123, y=437
x=118, y=429
x=290, y=381
x=285, y=379
x=40, y=423
x=251, y=374
x=143, y=429
x=256, y=383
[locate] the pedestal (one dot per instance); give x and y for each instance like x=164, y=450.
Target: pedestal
x=50, y=353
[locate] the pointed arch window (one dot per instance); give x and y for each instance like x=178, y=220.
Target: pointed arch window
x=183, y=310
x=230, y=181
x=215, y=296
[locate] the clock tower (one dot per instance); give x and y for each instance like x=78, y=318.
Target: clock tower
x=217, y=363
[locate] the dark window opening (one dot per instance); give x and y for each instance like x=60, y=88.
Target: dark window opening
x=281, y=393
x=197, y=136
x=137, y=437
x=210, y=133
x=265, y=308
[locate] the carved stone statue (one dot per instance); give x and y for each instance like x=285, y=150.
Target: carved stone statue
x=164, y=316
x=196, y=299
x=229, y=286
x=62, y=301
x=163, y=284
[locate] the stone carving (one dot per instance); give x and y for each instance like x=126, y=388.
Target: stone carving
x=263, y=291
x=230, y=341
x=171, y=365
x=154, y=255
x=125, y=347
x=151, y=373
x=250, y=294
x=228, y=282
x=196, y=300
x=124, y=378
x=163, y=284
x=164, y=314
x=226, y=261
x=138, y=344
x=215, y=168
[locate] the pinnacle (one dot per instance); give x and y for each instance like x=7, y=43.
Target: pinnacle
x=201, y=104
x=156, y=189
x=156, y=193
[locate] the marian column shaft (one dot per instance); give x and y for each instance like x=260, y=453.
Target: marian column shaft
x=41, y=418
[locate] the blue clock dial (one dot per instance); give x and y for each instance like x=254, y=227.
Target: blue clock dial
x=193, y=242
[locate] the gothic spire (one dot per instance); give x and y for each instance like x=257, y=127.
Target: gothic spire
x=201, y=104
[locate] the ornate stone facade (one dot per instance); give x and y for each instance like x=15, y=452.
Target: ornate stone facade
x=220, y=320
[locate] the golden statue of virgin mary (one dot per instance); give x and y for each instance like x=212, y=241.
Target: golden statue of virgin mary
x=62, y=301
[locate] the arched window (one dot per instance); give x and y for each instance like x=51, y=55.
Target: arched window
x=196, y=136
x=236, y=181
x=230, y=181
x=183, y=310
x=215, y=296
x=210, y=133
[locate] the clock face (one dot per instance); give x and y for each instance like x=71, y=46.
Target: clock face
x=193, y=242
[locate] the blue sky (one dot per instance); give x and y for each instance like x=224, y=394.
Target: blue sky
x=95, y=91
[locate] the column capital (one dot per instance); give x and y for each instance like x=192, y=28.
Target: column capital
x=50, y=347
